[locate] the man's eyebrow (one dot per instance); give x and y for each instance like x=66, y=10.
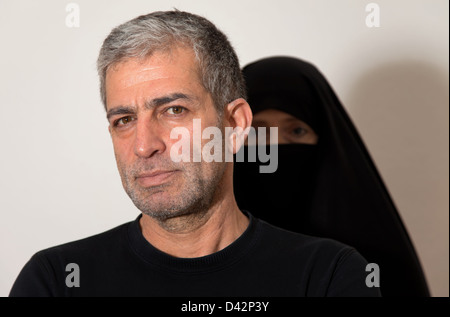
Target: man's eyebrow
x=119, y=110
x=148, y=104
x=166, y=99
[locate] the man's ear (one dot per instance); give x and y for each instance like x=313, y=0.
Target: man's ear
x=238, y=116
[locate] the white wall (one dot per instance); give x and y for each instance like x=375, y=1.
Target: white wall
x=58, y=180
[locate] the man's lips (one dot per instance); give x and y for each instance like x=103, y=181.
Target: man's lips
x=154, y=178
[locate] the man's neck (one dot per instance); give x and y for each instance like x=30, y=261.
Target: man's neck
x=201, y=235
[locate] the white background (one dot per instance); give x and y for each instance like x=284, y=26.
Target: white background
x=58, y=179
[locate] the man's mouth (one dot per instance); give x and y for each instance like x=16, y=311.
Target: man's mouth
x=154, y=178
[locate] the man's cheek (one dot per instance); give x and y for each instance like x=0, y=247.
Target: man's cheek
x=123, y=152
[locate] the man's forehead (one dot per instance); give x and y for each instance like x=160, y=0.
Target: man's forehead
x=132, y=72
x=173, y=57
x=179, y=62
x=175, y=68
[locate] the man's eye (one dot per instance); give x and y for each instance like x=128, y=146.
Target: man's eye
x=175, y=110
x=123, y=121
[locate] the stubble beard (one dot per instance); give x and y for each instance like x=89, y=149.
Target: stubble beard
x=188, y=195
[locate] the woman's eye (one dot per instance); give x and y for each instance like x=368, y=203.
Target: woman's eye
x=175, y=110
x=298, y=131
x=124, y=120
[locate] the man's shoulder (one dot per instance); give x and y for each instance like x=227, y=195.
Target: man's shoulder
x=332, y=268
x=98, y=243
x=44, y=274
x=295, y=243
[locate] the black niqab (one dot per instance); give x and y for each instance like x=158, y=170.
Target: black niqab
x=331, y=189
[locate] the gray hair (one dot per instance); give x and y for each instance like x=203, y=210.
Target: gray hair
x=160, y=31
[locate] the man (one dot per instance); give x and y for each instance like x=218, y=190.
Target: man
x=160, y=72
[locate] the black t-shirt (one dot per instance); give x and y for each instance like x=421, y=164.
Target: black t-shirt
x=263, y=261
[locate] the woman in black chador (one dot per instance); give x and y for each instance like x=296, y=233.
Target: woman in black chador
x=326, y=183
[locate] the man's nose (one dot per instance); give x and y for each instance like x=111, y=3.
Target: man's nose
x=149, y=139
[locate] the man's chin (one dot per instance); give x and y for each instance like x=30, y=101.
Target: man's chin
x=164, y=212
x=163, y=206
